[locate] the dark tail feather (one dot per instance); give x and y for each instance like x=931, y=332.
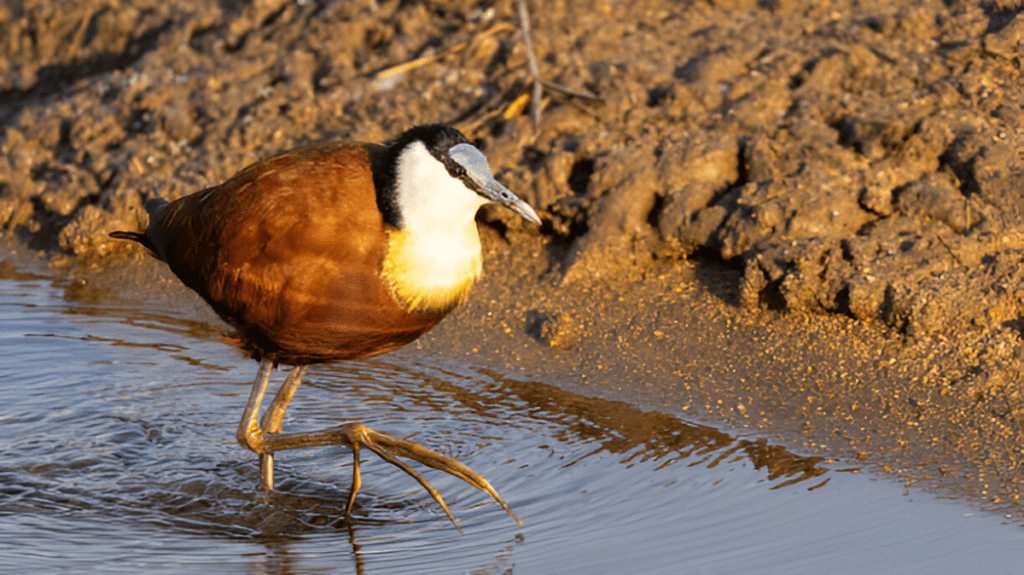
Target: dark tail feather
x=136, y=237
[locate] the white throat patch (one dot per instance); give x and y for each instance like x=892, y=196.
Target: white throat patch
x=433, y=260
x=427, y=195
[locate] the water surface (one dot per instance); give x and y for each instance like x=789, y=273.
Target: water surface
x=118, y=454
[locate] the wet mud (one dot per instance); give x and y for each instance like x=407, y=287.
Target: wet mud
x=805, y=218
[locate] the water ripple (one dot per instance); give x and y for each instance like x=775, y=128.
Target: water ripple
x=117, y=454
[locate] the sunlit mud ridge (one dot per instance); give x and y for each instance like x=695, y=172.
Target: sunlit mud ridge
x=859, y=160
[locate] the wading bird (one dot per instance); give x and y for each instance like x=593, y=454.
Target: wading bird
x=331, y=252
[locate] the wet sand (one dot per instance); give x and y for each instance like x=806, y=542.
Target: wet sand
x=671, y=338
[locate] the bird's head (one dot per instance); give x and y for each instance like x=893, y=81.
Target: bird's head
x=438, y=175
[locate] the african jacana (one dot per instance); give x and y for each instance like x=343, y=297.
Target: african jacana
x=331, y=252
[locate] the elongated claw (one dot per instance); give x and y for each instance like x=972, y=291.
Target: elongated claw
x=417, y=452
x=416, y=475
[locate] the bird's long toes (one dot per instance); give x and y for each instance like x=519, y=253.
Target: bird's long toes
x=390, y=458
x=389, y=448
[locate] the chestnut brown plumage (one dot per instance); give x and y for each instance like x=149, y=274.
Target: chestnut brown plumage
x=332, y=252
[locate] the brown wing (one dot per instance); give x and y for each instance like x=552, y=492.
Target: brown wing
x=289, y=253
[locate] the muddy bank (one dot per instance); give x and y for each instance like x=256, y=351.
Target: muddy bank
x=802, y=217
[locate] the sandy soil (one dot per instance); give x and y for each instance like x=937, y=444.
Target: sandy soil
x=806, y=218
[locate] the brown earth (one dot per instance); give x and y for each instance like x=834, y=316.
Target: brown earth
x=802, y=217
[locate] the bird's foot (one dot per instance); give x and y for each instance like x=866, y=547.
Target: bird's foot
x=266, y=438
x=390, y=449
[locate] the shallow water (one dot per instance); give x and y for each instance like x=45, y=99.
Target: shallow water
x=118, y=454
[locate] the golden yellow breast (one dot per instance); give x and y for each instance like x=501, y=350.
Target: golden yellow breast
x=431, y=274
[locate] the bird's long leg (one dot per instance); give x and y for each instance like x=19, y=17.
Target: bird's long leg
x=272, y=420
x=274, y=415
x=355, y=435
x=249, y=427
